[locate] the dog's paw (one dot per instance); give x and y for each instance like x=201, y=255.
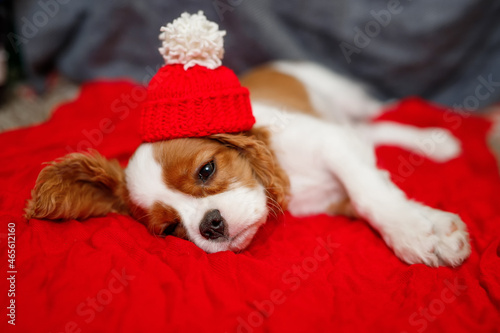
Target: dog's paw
x=439, y=144
x=431, y=237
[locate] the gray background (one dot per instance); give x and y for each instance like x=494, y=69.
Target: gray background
x=443, y=50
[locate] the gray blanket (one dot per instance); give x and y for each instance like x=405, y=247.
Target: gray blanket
x=447, y=51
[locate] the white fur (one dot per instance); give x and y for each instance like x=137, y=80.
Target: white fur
x=437, y=144
x=327, y=161
x=299, y=153
x=334, y=96
x=192, y=40
x=316, y=155
x=243, y=208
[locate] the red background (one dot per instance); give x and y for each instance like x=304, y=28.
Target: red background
x=109, y=274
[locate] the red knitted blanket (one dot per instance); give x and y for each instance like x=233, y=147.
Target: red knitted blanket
x=314, y=274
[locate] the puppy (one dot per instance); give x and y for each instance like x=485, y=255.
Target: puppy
x=311, y=151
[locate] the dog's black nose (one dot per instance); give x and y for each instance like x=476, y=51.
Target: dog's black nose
x=212, y=225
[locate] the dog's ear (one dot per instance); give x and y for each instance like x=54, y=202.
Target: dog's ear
x=78, y=186
x=255, y=146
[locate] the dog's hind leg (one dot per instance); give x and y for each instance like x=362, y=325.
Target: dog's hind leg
x=437, y=144
x=417, y=233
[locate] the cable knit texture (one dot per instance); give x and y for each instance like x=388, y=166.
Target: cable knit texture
x=312, y=274
x=193, y=95
x=194, y=103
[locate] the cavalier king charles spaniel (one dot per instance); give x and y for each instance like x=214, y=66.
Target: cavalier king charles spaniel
x=311, y=151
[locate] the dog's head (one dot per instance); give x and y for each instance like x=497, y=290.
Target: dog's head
x=215, y=191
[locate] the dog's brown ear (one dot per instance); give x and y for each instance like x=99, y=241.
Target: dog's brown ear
x=78, y=186
x=255, y=146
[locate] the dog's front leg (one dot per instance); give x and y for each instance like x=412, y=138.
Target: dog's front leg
x=417, y=233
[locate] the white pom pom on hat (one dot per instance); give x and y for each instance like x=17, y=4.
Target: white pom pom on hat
x=193, y=95
x=192, y=40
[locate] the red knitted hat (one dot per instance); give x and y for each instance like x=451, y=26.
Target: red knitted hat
x=193, y=95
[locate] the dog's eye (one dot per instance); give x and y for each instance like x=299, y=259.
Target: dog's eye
x=170, y=229
x=206, y=171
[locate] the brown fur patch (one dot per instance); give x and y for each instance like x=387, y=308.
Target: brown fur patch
x=245, y=159
x=161, y=217
x=78, y=186
x=254, y=145
x=343, y=207
x=279, y=89
x=182, y=159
